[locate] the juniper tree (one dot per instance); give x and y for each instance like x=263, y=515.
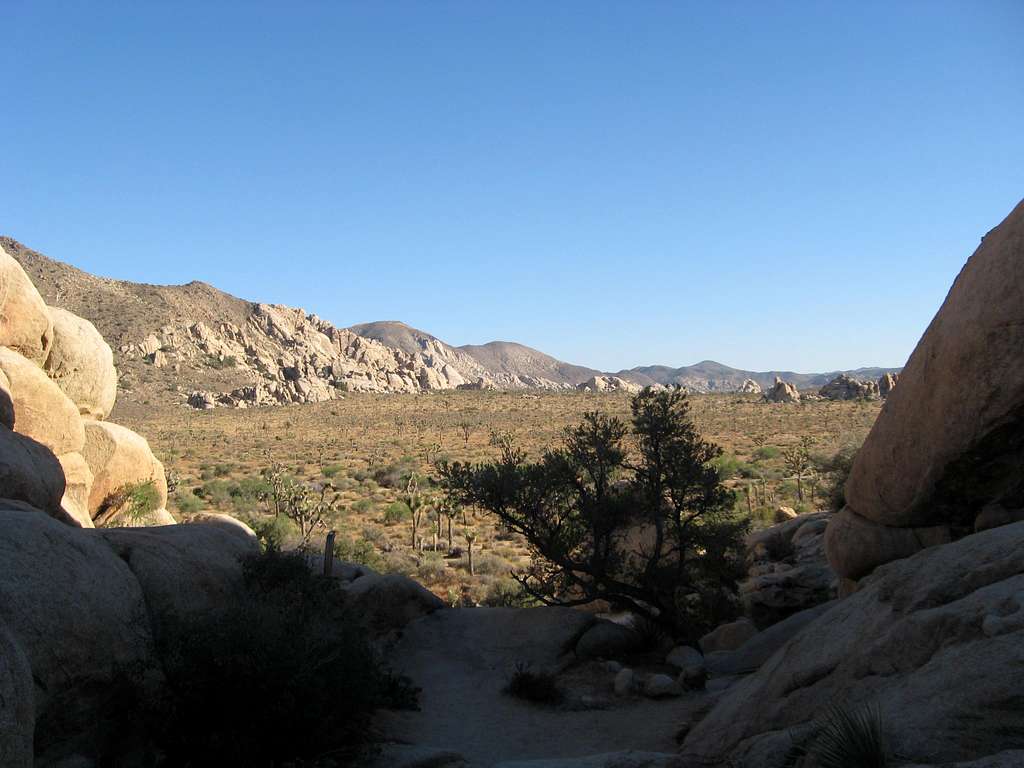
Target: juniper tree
x=647, y=526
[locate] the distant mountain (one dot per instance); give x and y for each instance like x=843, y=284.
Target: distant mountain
x=507, y=357
x=709, y=376
x=198, y=344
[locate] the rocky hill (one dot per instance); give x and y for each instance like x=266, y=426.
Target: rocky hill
x=709, y=376
x=194, y=343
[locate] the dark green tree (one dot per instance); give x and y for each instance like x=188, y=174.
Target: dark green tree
x=635, y=515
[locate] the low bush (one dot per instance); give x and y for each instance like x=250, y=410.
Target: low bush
x=397, y=512
x=274, y=531
x=508, y=593
x=535, y=687
x=279, y=676
x=358, y=551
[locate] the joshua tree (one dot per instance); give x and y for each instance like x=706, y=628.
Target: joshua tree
x=470, y=536
x=798, y=461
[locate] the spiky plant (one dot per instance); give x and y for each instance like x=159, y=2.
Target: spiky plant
x=849, y=738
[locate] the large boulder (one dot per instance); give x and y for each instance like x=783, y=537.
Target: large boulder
x=782, y=392
x=17, y=711
x=950, y=438
x=82, y=364
x=787, y=571
x=935, y=641
x=625, y=759
x=184, y=570
x=728, y=637
x=887, y=383
x=41, y=410
x=857, y=545
x=118, y=457
x=606, y=640
x=388, y=603
x=79, y=615
x=29, y=472
x=77, y=483
x=6, y=402
x=25, y=324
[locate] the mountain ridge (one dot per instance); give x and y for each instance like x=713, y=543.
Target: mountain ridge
x=212, y=348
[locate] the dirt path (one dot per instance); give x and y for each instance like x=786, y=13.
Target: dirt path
x=462, y=659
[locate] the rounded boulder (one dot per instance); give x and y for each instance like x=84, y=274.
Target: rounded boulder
x=41, y=410
x=118, y=457
x=25, y=323
x=82, y=364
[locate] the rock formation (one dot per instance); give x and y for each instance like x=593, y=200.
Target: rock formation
x=782, y=392
x=949, y=442
x=750, y=387
x=886, y=383
x=845, y=387
x=608, y=384
x=57, y=377
x=935, y=641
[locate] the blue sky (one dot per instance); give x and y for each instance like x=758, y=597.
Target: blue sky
x=771, y=185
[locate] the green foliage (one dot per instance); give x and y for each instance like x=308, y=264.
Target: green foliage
x=246, y=681
x=432, y=567
x=535, y=687
x=395, y=475
x=766, y=453
x=188, y=503
x=133, y=502
x=358, y=551
x=838, y=468
x=274, y=531
x=508, y=593
x=331, y=470
x=728, y=466
x=220, y=363
x=582, y=507
x=397, y=512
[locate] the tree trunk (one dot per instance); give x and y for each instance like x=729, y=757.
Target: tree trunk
x=472, y=571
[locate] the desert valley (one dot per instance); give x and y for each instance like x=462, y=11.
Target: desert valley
x=871, y=542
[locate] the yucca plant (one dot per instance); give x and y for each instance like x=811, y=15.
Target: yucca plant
x=848, y=738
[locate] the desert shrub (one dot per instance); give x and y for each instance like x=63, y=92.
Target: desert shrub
x=488, y=563
x=332, y=470
x=766, y=453
x=535, y=687
x=401, y=563
x=244, y=682
x=188, y=503
x=274, y=531
x=727, y=465
x=131, y=502
x=838, y=467
x=363, y=506
x=432, y=567
x=220, y=363
x=358, y=551
x=508, y=593
x=397, y=512
x=395, y=475
x=216, y=492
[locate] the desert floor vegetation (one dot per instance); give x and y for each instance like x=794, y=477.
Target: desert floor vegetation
x=367, y=448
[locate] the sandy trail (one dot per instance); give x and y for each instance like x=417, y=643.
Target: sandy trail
x=462, y=659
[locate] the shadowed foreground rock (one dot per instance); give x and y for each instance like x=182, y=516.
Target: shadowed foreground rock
x=936, y=641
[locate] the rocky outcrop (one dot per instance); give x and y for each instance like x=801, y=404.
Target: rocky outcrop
x=949, y=441
x=41, y=410
x=82, y=364
x=608, y=384
x=184, y=570
x=845, y=387
x=787, y=571
x=948, y=619
x=886, y=383
x=119, y=457
x=29, y=472
x=77, y=613
x=25, y=324
x=782, y=392
x=749, y=387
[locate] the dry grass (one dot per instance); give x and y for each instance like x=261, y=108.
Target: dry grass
x=362, y=443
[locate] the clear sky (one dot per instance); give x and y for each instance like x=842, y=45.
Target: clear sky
x=770, y=185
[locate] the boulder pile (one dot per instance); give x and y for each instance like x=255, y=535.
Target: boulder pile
x=57, y=386
x=845, y=387
x=608, y=384
x=782, y=392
